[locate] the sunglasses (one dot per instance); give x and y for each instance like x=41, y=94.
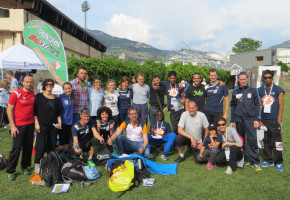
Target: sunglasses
x=267, y=77
x=221, y=124
x=49, y=84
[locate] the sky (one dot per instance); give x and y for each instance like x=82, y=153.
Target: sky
x=210, y=25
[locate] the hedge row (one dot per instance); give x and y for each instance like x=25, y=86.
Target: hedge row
x=111, y=68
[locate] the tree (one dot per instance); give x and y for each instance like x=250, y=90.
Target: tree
x=246, y=44
x=284, y=66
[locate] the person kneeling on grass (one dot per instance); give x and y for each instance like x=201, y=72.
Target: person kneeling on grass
x=84, y=132
x=210, y=147
x=161, y=133
x=136, y=139
x=231, y=152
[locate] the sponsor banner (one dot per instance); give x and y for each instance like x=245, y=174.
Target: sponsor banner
x=47, y=45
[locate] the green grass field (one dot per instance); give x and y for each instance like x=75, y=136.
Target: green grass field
x=192, y=181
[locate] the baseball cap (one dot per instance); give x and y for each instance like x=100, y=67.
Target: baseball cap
x=212, y=126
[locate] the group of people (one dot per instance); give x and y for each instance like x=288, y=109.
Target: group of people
x=87, y=115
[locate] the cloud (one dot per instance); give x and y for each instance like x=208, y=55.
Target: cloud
x=124, y=26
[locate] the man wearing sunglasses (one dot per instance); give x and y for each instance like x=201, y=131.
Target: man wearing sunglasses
x=245, y=111
x=272, y=97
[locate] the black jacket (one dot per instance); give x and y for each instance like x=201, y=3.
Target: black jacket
x=245, y=104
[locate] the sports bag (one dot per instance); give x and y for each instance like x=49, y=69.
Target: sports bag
x=3, y=162
x=73, y=173
x=50, y=168
x=102, y=154
x=91, y=172
x=122, y=176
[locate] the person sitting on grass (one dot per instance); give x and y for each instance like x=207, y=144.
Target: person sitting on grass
x=232, y=145
x=83, y=132
x=105, y=124
x=210, y=147
x=161, y=133
x=136, y=139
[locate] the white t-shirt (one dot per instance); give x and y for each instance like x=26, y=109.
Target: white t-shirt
x=193, y=125
x=111, y=101
x=3, y=98
x=14, y=83
x=57, y=89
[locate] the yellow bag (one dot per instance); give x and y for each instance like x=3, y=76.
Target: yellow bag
x=122, y=177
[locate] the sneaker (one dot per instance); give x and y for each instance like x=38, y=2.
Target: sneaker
x=179, y=159
x=279, y=167
x=257, y=167
x=164, y=156
x=208, y=166
x=246, y=163
x=150, y=156
x=229, y=170
x=267, y=164
x=91, y=162
x=11, y=176
x=25, y=172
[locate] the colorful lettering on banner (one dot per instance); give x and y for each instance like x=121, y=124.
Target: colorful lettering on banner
x=47, y=45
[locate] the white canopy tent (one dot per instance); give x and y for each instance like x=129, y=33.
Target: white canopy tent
x=19, y=57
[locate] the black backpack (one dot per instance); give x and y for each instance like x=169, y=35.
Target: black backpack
x=102, y=153
x=50, y=168
x=3, y=162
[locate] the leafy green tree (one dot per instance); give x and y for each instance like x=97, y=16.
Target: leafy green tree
x=246, y=44
x=284, y=66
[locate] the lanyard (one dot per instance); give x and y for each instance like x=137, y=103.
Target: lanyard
x=161, y=124
x=269, y=92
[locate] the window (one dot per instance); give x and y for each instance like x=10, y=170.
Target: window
x=259, y=58
x=4, y=13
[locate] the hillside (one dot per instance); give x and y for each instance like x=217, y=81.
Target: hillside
x=285, y=44
x=135, y=51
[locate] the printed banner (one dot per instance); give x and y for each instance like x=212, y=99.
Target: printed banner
x=47, y=45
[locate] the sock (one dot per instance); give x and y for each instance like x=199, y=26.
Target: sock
x=181, y=155
x=89, y=158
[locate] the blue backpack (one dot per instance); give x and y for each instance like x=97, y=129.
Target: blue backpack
x=91, y=172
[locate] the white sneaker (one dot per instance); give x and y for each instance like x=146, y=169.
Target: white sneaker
x=229, y=170
x=36, y=168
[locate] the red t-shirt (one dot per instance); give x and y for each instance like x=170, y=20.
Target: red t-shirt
x=23, y=110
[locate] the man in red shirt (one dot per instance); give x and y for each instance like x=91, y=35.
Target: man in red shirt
x=20, y=114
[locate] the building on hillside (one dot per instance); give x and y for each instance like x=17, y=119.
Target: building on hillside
x=254, y=63
x=14, y=14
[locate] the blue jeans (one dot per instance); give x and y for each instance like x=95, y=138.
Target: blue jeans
x=124, y=145
x=168, y=139
x=142, y=110
x=152, y=114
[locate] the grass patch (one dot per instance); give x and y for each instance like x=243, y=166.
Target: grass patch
x=192, y=181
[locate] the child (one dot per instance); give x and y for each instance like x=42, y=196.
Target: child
x=105, y=124
x=161, y=133
x=111, y=101
x=67, y=103
x=211, y=146
x=4, y=87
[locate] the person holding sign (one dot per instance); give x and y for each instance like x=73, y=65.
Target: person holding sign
x=161, y=133
x=272, y=103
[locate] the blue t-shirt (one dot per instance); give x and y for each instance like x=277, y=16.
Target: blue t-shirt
x=216, y=139
x=172, y=92
x=67, y=109
x=215, y=97
x=125, y=97
x=272, y=99
x=164, y=126
x=105, y=128
x=84, y=133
